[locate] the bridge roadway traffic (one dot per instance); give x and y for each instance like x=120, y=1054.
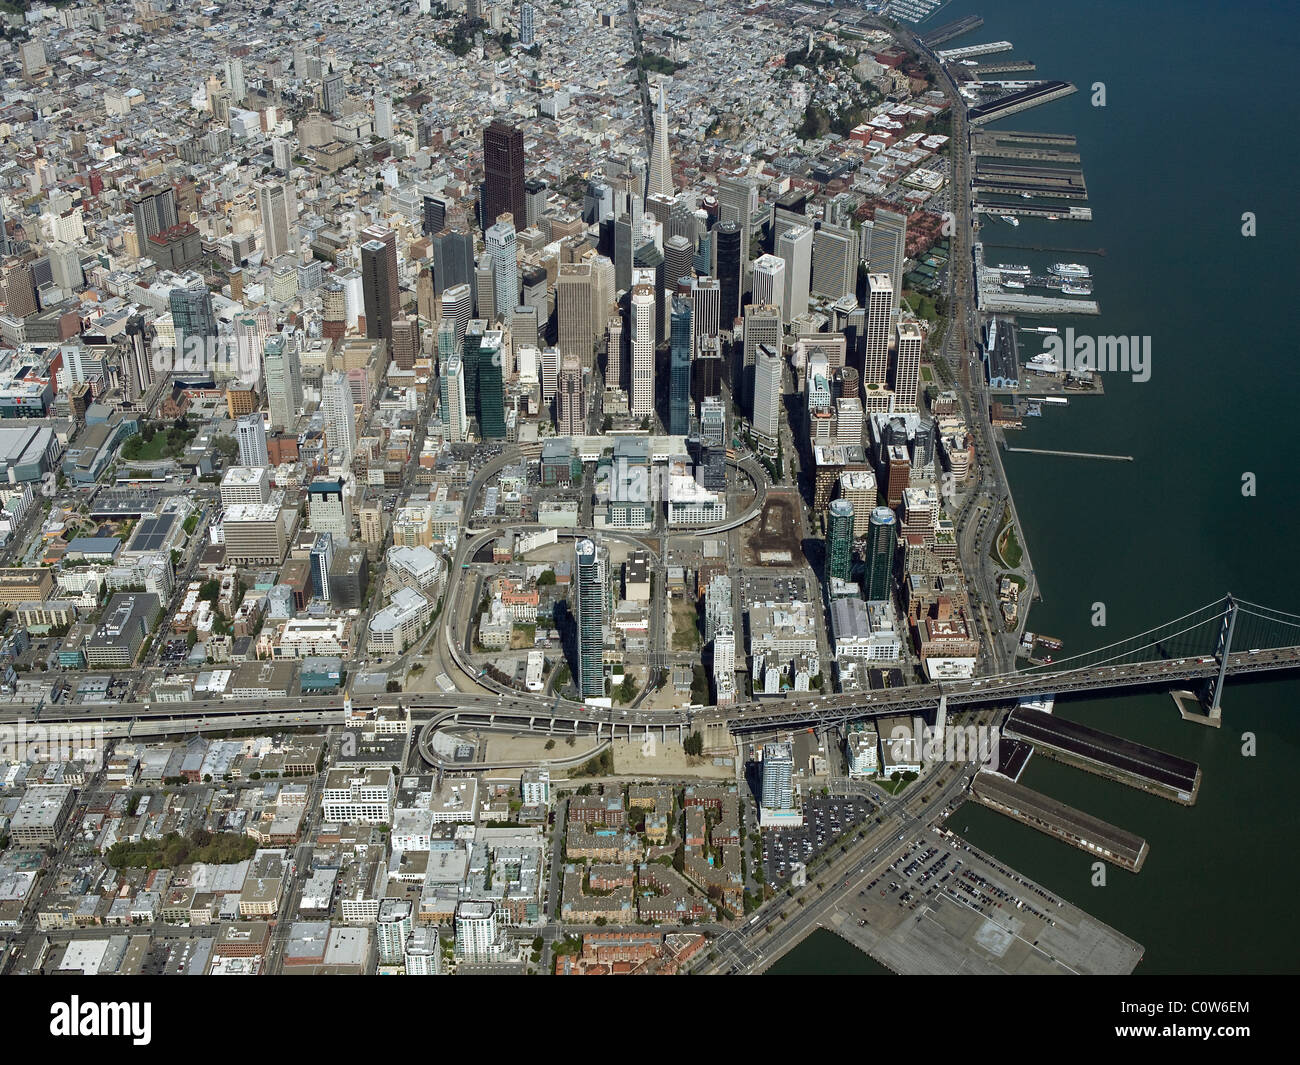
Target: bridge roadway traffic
x=552, y=714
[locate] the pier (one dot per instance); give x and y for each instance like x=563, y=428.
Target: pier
x=1041, y=93
x=1070, y=454
x=1006, y=66
x=1054, y=818
x=950, y=30
x=1009, y=303
x=1042, y=247
x=1113, y=757
x=973, y=50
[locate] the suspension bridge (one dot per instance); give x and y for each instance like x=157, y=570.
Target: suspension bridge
x=1200, y=649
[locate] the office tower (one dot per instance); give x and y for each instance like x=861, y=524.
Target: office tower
x=329, y=510
x=762, y=329
x=597, y=201
x=705, y=260
x=452, y=397
x=379, y=284
x=907, y=367
x=679, y=255
x=273, y=203
x=795, y=248
x=570, y=402
x=534, y=294
x=623, y=241
x=4, y=231
x=880, y=308
x=251, y=436
x=590, y=601
x=320, y=560
x=536, y=192
x=737, y=202
x=707, y=369
x=769, y=283
x=550, y=373
x=332, y=94
x=766, y=413
x=504, y=260
x=340, y=416
x=470, y=355
x=453, y=261
x=713, y=421
x=889, y=249
x=682, y=222
x=384, y=116
x=679, y=377
x=458, y=307
x=491, y=386
x=138, y=358
x=731, y=271
x=661, y=167
x=614, y=353
x=406, y=342
x=574, y=310
x=433, y=218
x=194, y=321
x=834, y=263
x=706, y=298
x=527, y=17
x=154, y=211
x=525, y=331
x=648, y=268
x=778, y=776
x=642, y=334
x=882, y=538
x=20, y=290
x=503, y=174
x=839, y=540
x=485, y=288
x=283, y=381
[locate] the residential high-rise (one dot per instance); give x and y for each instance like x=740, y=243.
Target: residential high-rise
x=839, y=539
x=273, y=203
x=379, y=283
x=882, y=540
x=332, y=93
x=778, y=776
x=880, y=308
x=731, y=272
x=679, y=383
x=907, y=367
x=766, y=414
x=383, y=115
x=504, y=259
x=250, y=433
x=590, y=602
x=889, y=249
x=527, y=24
x=503, y=174
x=661, y=167
x=283, y=380
x=642, y=333
x=235, y=80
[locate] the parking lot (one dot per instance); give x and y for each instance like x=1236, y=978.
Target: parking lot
x=825, y=819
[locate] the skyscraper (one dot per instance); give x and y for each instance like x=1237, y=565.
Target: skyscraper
x=574, y=308
x=273, y=203
x=458, y=308
x=590, y=602
x=379, y=284
x=453, y=261
x=762, y=329
x=283, y=380
x=882, y=537
x=880, y=307
x=332, y=93
x=679, y=377
x=731, y=271
x=795, y=247
x=834, y=262
x=766, y=414
x=839, y=540
x=527, y=18
x=503, y=174
x=235, y=80
x=194, y=321
x=340, y=416
x=907, y=367
x=769, y=283
x=452, y=388
x=706, y=297
x=661, y=167
x=614, y=353
x=642, y=334
x=251, y=436
x=500, y=241
x=491, y=386
x=154, y=210
x=889, y=249
x=570, y=402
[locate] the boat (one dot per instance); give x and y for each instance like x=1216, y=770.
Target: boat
x=1077, y=288
x=1010, y=219
x=1070, y=270
x=1014, y=269
x=1027, y=195
x=1009, y=283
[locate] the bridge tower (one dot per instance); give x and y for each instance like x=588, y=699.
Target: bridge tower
x=1223, y=650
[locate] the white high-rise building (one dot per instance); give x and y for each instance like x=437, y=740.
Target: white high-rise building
x=795, y=247
x=504, y=259
x=907, y=367
x=769, y=283
x=476, y=929
x=767, y=393
x=880, y=309
x=273, y=203
x=235, y=80
x=661, y=167
x=283, y=380
x=340, y=416
x=250, y=434
x=889, y=248
x=452, y=396
x=643, y=352
x=383, y=115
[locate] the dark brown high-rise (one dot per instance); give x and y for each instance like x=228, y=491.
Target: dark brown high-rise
x=503, y=174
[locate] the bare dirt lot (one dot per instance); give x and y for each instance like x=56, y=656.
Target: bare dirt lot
x=776, y=530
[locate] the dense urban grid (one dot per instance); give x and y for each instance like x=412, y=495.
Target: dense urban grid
x=434, y=436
